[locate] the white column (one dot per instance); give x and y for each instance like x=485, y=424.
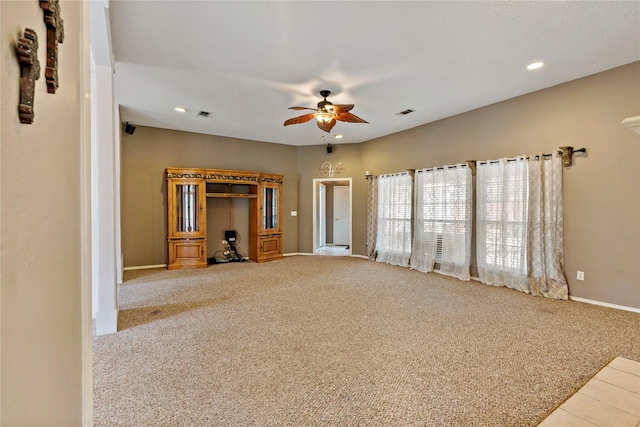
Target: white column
x=104, y=212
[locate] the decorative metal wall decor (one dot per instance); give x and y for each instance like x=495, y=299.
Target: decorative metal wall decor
x=27, y=48
x=55, y=35
x=328, y=169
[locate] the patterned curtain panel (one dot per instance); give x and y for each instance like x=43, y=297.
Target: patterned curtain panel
x=393, y=242
x=501, y=222
x=545, y=247
x=442, y=220
x=372, y=215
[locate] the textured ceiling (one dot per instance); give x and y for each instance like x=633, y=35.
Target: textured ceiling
x=247, y=62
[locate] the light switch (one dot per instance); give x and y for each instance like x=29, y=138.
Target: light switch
x=294, y=213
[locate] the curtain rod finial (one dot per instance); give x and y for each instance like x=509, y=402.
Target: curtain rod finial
x=567, y=155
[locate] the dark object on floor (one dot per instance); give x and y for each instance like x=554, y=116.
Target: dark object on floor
x=229, y=253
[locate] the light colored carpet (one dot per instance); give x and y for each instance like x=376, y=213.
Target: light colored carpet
x=334, y=341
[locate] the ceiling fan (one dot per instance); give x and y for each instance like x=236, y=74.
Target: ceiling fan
x=326, y=114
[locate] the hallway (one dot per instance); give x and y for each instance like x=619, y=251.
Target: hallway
x=333, y=250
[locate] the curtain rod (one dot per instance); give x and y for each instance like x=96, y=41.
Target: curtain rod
x=394, y=174
x=460, y=165
x=491, y=162
x=565, y=152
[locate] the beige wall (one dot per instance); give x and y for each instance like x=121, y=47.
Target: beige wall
x=602, y=200
x=310, y=160
x=602, y=196
x=40, y=229
x=147, y=153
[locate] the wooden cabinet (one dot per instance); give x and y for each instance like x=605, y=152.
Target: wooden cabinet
x=188, y=253
x=187, y=227
x=266, y=231
x=187, y=190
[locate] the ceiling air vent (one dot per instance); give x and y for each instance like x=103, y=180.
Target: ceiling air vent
x=204, y=114
x=405, y=112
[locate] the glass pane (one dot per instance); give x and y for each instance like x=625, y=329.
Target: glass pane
x=187, y=209
x=270, y=208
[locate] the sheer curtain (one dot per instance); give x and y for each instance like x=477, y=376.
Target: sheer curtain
x=546, y=229
x=501, y=222
x=393, y=242
x=372, y=215
x=442, y=220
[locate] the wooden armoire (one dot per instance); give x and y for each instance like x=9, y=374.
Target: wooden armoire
x=187, y=190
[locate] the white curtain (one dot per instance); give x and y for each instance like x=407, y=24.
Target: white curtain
x=393, y=242
x=442, y=220
x=501, y=222
x=546, y=229
x=372, y=215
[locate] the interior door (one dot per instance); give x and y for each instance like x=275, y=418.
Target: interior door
x=341, y=217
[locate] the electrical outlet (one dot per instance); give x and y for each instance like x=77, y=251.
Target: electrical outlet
x=580, y=275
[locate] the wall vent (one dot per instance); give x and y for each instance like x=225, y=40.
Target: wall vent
x=204, y=114
x=405, y=112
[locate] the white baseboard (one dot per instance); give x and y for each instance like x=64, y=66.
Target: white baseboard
x=296, y=253
x=144, y=267
x=107, y=322
x=604, y=304
x=593, y=302
x=359, y=256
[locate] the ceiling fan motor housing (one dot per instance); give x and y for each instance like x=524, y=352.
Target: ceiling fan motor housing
x=322, y=105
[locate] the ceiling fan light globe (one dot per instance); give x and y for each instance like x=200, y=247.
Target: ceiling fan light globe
x=324, y=117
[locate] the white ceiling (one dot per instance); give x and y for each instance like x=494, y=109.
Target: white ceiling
x=247, y=62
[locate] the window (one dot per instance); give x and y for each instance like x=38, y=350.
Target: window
x=393, y=242
x=443, y=220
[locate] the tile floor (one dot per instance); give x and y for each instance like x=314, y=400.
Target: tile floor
x=333, y=251
x=610, y=398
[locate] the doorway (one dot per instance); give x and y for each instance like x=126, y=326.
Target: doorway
x=332, y=213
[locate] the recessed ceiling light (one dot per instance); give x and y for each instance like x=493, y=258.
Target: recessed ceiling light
x=535, y=65
x=180, y=109
x=338, y=136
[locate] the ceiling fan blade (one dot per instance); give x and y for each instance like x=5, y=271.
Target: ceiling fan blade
x=302, y=108
x=350, y=118
x=342, y=108
x=327, y=126
x=300, y=119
